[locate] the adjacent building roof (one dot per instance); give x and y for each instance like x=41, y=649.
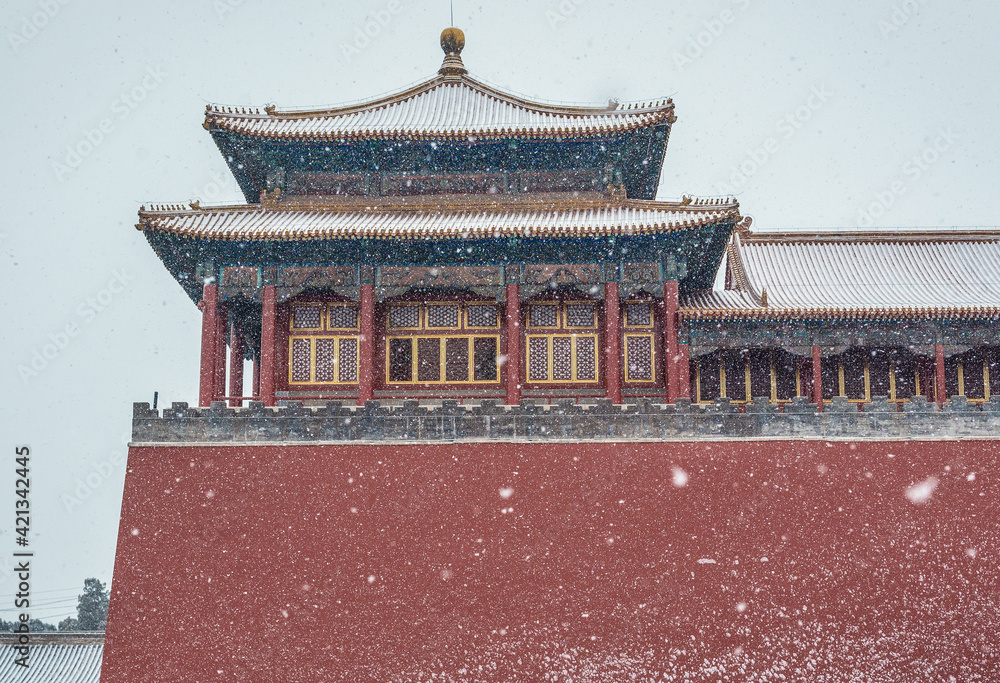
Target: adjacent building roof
x=919, y=273
x=55, y=657
x=452, y=105
x=466, y=217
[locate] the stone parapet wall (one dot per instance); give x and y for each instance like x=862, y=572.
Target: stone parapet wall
x=565, y=420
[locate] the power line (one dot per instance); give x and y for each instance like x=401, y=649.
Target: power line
x=54, y=590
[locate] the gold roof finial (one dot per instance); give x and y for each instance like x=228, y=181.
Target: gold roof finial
x=452, y=42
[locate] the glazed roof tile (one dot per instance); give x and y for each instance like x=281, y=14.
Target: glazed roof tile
x=446, y=107
x=438, y=219
x=53, y=661
x=859, y=274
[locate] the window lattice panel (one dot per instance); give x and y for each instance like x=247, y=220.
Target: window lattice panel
x=638, y=315
x=442, y=316
x=301, y=361
x=544, y=316
x=485, y=359
x=640, y=359
x=347, y=369
x=538, y=349
x=580, y=315
x=326, y=354
x=306, y=318
x=482, y=316
x=343, y=318
x=429, y=360
x=586, y=358
x=562, y=358
x=400, y=360
x=404, y=316
x=456, y=360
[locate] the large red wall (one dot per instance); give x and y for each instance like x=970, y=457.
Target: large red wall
x=392, y=563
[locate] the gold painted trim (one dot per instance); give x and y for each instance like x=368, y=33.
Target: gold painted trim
x=357, y=316
x=553, y=304
x=633, y=302
x=593, y=315
x=312, y=339
x=470, y=326
x=443, y=359
x=427, y=316
x=307, y=304
x=747, y=386
x=697, y=381
x=573, y=358
x=420, y=317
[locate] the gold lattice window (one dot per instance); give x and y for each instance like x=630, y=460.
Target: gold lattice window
x=443, y=316
x=404, y=317
x=639, y=358
x=562, y=358
x=322, y=360
x=543, y=315
x=581, y=315
x=573, y=315
x=638, y=314
x=459, y=359
x=307, y=317
x=478, y=315
x=342, y=317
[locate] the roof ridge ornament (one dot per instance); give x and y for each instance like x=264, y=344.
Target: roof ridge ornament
x=453, y=42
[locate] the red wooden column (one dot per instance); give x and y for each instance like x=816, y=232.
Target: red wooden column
x=684, y=370
x=221, y=326
x=612, y=343
x=513, y=362
x=671, y=306
x=366, y=362
x=942, y=389
x=267, y=344
x=235, y=366
x=209, y=326
x=817, y=378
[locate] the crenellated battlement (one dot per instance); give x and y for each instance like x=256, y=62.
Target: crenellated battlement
x=598, y=420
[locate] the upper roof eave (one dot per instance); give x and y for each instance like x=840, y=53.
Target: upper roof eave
x=272, y=124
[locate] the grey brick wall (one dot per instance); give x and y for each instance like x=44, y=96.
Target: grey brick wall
x=597, y=420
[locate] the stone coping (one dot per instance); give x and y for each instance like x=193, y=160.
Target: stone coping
x=590, y=420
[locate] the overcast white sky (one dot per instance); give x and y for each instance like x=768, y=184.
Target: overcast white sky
x=844, y=114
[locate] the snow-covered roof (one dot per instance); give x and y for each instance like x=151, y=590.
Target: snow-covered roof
x=62, y=657
x=856, y=274
x=436, y=218
x=451, y=105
